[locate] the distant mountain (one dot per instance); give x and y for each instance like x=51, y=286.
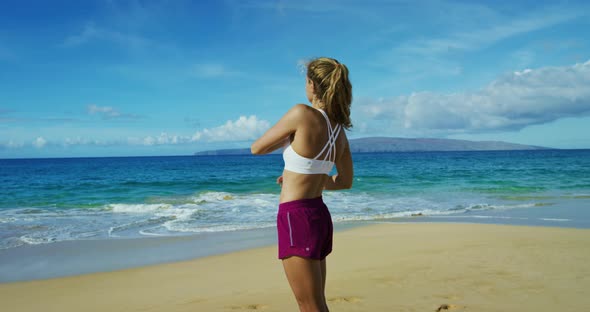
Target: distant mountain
x=387, y=145
x=233, y=151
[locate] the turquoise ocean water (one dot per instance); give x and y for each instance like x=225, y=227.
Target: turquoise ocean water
x=51, y=200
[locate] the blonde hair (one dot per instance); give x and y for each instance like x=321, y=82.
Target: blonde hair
x=331, y=85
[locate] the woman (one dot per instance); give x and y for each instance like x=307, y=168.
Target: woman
x=304, y=224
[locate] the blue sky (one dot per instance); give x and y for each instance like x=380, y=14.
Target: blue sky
x=125, y=78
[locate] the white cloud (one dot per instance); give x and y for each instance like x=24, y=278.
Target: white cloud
x=523, y=58
x=75, y=141
x=107, y=112
x=69, y=141
x=39, y=142
x=87, y=34
x=149, y=141
x=512, y=102
x=11, y=144
x=92, y=32
x=129, y=25
x=438, y=48
x=244, y=128
x=162, y=139
x=372, y=11
x=486, y=33
x=306, y=6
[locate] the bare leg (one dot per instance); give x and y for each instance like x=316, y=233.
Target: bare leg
x=324, y=272
x=305, y=278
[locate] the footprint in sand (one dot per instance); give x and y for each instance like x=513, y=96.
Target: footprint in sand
x=384, y=281
x=195, y=300
x=349, y=299
x=252, y=307
x=450, y=297
x=446, y=307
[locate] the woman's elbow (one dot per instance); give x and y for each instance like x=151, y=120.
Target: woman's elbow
x=347, y=185
x=255, y=149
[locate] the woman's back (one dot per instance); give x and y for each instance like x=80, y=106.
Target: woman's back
x=312, y=140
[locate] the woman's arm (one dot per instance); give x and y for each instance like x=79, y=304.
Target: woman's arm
x=278, y=135
x=342, y=180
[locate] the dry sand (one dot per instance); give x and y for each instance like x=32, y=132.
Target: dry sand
x=382, y=267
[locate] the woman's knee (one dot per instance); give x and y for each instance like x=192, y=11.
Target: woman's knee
x=310, y=301
x=305, y=278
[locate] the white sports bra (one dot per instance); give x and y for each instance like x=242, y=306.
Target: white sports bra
x=299, y=164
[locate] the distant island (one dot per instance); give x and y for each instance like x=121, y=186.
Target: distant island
x=389, y=145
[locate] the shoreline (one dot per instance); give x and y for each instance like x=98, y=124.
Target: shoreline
x=77, y=257
x=409, y=266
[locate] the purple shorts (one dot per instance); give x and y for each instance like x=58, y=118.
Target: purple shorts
x=304, y=229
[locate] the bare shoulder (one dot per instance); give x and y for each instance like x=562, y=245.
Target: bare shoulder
x=303, y=109
x=343, y=139
x=300, y=108
x=297, y=111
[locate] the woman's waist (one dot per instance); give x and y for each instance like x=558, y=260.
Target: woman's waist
x=314, y=203
x=296, y=186
x=292, y=192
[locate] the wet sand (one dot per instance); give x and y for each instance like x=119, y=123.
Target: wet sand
x=382, y=267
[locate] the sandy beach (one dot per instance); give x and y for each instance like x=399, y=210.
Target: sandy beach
x=381, y=267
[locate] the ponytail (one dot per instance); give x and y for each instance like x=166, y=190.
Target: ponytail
x=332, y=87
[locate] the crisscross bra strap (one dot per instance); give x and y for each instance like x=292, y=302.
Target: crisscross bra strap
x=332, y=135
